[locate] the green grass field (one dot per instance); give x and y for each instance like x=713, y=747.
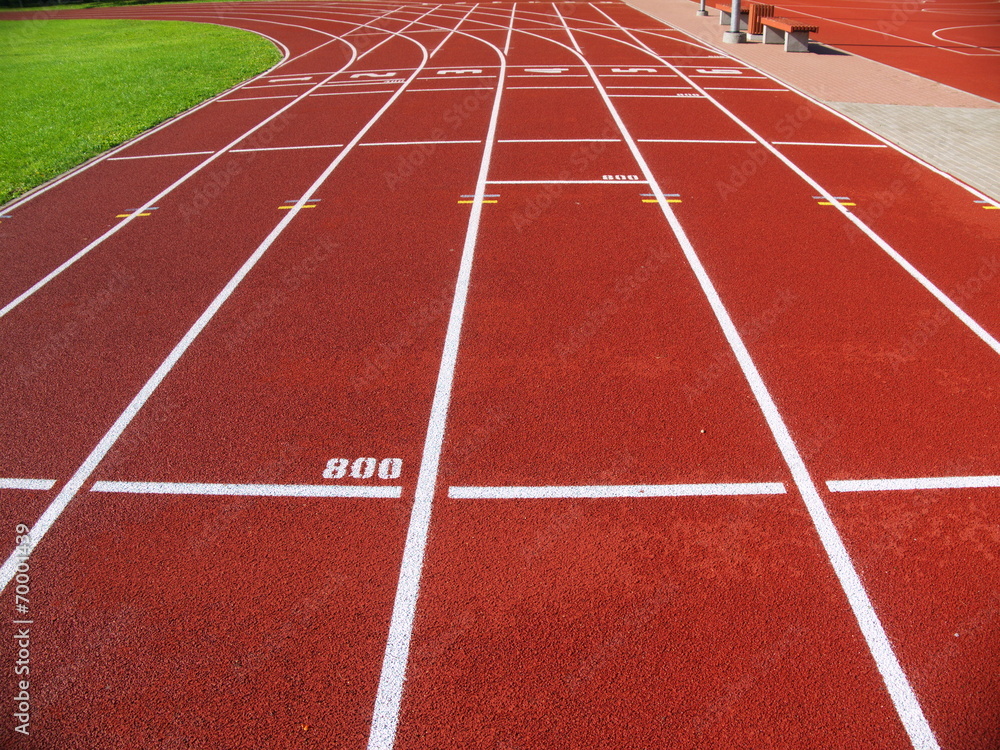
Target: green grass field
x=72, y=89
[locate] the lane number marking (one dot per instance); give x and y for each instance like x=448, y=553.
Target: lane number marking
x=363, y=468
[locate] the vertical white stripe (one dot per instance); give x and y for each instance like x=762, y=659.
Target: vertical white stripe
x=385, y=716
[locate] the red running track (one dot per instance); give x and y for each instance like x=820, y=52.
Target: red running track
x=956, y=42
x=501, y=376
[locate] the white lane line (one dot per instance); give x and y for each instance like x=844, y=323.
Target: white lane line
x=453, y=30
x=272, y=86
x=159, y=156
x=690, y=140
x=567, y=182
x=915, y=483
x=16, y=483
x=414, y=143
x=471, y=88
x=385, y=715
x=743, y=88
x=255, y=98
x=90, y=464
x=559, y=140
x=356, y=93
x=546, y=88
x=656, y=96
x=838, y=145
x=898, y=685
x=617, y=490
x=568, y=32
x=510, y=29
x=177, y=183
x=285, y=148
x=247, y=490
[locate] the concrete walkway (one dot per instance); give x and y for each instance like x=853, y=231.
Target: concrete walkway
x=953, y=130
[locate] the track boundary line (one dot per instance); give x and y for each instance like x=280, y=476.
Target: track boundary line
x=83, y=474
x=901, y=692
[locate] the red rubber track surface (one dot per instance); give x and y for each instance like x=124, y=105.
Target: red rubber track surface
x=956, y=42
x=523, y=250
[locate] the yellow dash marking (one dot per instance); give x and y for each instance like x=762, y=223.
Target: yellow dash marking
x=991, y=208
x=654, y=200
x=289, y=208
x=479, y=201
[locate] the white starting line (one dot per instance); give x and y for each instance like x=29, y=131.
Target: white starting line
x=615, y=490
x=247, y=490
x=914, y=483
x=17, y=483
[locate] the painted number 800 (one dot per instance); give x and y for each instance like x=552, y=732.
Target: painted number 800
x=363, y=468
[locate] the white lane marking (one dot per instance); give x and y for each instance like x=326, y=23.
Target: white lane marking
x=550, y=75
x=690, y=140
x=510, y=29
x=915, y=483
x=461, y=72
x=566, y=26
x=559, y=140
x=16, y=483
x=255, y=98
x=839, y=145
x=617, y=490
x=382, y=81
x=372, y=74
x=83, y=473
x=355, y=93
x=159, y=156
x=744, y=88
x=285, y=148
x=452, y=31
x=546, y=88
x=272, y=86
x=247, y=490
x=414, y=143
x=566, y=182
x=385, y=715
x=289, y=80
x=898, y=685
x=163, y=193
x=656, y=96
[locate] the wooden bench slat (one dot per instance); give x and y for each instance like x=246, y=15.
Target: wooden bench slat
x=789, y=24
